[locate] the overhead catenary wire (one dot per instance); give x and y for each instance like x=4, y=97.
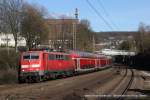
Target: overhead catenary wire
x=99, y=14
x=107, y=14
x=101, y=4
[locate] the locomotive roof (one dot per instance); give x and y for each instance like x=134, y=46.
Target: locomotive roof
x=46, y=52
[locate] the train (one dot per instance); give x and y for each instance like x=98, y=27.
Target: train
x=39, y=65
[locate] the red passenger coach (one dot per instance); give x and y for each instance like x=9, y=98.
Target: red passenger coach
x=89, y=61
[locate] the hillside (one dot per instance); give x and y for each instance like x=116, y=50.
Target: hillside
x=103, y=36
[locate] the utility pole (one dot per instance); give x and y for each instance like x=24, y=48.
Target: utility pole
x=73, y=42
x=7, y=40
x=75, y=30
x=93, y=43
x=76, y=13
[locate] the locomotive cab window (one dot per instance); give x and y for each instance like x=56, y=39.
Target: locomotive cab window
x=32, y=56
x=26, y=56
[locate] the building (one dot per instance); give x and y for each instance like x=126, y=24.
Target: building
x=111, y=40
x=8, y=40
x=61, y=33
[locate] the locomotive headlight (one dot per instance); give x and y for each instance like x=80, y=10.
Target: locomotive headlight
x=72, y=58
x=23, y=70
x=24, y=66
x=35, y=65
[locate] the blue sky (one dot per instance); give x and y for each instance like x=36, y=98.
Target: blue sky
x=126, y=14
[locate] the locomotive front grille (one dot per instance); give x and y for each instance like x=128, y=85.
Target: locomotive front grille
x=25, y=74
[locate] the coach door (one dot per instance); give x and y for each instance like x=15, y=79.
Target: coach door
x=78, y=64
x=45, y=61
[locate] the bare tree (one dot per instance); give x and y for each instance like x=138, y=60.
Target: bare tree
x=84, y=36
x=125, y=45
x=10, y=18
x=34, y=28
x=142, y=38
x=86, y=23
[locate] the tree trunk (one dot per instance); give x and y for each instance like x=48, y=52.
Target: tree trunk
x=15, y=38
x=16, y=45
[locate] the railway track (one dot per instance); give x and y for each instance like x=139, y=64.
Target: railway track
x=116, y=90
x=32, y=84
x=127, y=87
x=58, y=88
x=70, y=88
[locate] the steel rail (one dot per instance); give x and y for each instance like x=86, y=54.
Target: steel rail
x=128, y=85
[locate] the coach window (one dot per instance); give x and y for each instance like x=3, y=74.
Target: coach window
x=51, y=57
x=57, y=57
x=67, y=57
x=61, y=57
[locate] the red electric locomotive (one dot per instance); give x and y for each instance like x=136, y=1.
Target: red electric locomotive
x=38, y=65
x=41, y=65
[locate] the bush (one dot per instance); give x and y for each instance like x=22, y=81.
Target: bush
x=8, y=59
x=8, y=76
x=8, y=65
